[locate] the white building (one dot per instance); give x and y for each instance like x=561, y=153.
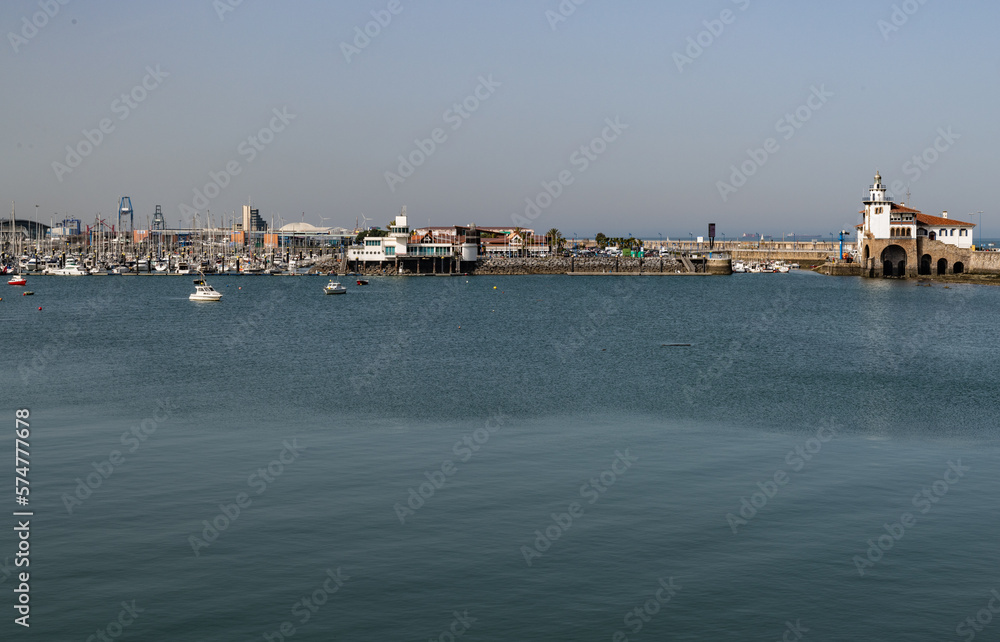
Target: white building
x=402, y=244
x=896, y=240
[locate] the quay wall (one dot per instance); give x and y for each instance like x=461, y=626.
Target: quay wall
x=985, y=263
x=569, y=265
x=817, y=256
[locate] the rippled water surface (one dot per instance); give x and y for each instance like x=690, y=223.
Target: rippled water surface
x=518, y=458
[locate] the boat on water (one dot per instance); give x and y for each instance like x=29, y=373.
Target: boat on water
x=160, y=266
x=204, y=292
x=333, y=287
x=71, y=267
x=17, y=280
x=362, y=281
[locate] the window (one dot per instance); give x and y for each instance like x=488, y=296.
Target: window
x=953, y=231
x=943, y=233
x=390, y=251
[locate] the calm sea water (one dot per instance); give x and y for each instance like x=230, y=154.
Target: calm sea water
x=509, y=458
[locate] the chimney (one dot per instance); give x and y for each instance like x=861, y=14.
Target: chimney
x=944, y=214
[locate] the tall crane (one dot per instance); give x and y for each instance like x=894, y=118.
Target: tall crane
x=125, y=209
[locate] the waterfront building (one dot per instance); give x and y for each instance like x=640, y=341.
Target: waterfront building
x=404, y=249
x=896, y=240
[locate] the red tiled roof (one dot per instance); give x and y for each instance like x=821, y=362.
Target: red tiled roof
x=896, y=207
x=938, y=221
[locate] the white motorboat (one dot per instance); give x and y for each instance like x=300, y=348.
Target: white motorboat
x=160, y=266
x=71, y=267
x=204, y=292
x=333, y=287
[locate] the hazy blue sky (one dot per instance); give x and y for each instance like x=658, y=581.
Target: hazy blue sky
x=881, y=95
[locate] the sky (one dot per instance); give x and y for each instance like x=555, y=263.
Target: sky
x=646, y=117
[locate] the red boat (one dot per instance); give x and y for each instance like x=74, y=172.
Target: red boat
x=362, y=282
x=17, y=280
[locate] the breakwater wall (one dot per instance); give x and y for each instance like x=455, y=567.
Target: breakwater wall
x=811, y=256
x=570, y=265
x=526, y=265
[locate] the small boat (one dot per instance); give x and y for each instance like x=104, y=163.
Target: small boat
x=204, y=292
x=334, y=287
x=17, y=280
x=362, y=281
x=28, y=293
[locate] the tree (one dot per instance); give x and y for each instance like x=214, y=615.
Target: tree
x=555, y=240
x=519, y=231
x=601, y=240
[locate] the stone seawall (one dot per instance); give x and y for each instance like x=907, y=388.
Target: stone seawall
x=563, y=265
x=985, y=263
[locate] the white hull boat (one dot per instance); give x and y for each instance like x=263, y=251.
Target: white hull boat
x=204, y=292
x=334, y=287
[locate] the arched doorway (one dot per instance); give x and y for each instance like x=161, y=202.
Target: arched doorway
x=959, y=267
x=942, y=266
x=925, y=265
x=893, y=261
x=932, y=236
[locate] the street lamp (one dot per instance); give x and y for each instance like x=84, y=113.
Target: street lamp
x=980, y=227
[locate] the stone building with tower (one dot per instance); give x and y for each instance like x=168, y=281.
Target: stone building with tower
x=899, y=241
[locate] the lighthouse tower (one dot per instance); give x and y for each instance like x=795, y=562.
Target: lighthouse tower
x=877, y=209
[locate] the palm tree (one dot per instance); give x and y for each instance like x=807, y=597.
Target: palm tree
x=555, y=240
